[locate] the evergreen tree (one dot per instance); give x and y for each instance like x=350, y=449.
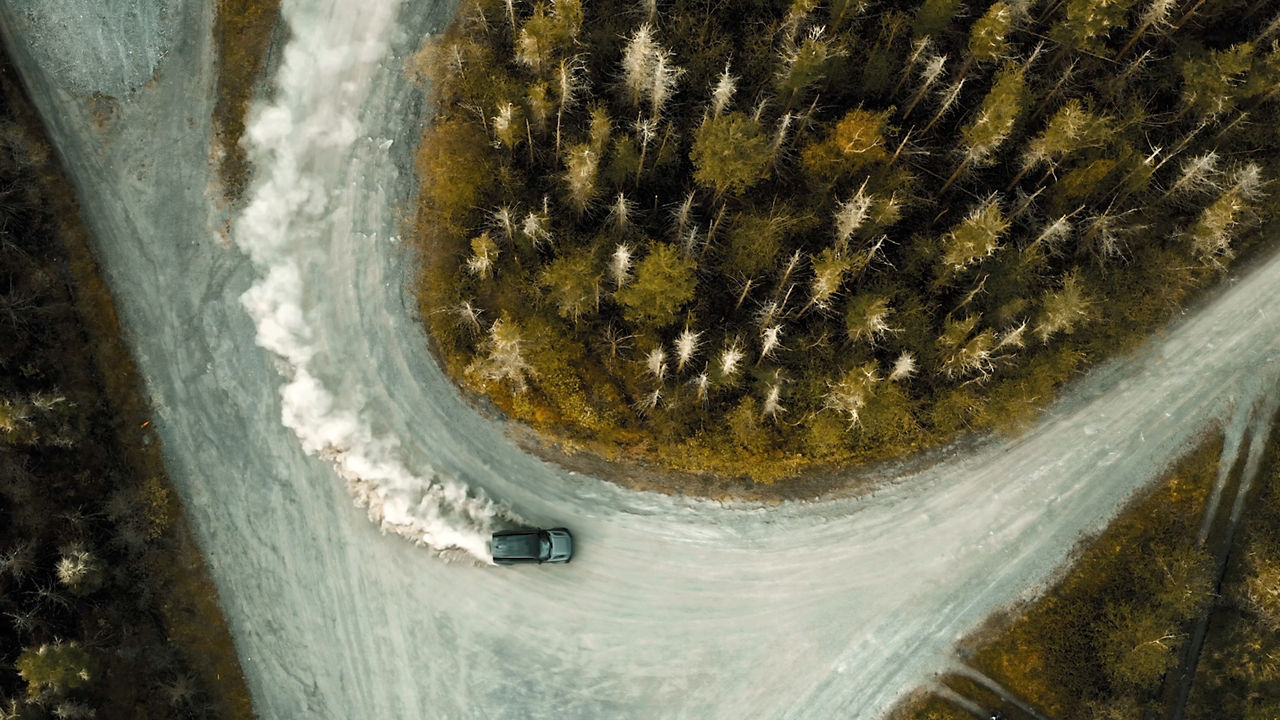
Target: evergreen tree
x=866, y=317
x=55, y=668
x=504, y=358
x=1000, y=109
x=484, y=256
x=963, y=350
x=538, y=39
x=1211, y=78
x=988, y=36
x=1089, y=22
x=572, y=283
x=975, y=237
x=582, y=165
x=806, y=64
x=730, y=153
x=664, y=282
x=1064, y=309
x=1070, y=130
x=933, y=16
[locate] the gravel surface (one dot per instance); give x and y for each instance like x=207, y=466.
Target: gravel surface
x=674, y=608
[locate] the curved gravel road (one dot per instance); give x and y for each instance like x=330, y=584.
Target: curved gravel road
x=673, y=608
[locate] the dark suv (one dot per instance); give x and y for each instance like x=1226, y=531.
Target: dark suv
x=517, y=547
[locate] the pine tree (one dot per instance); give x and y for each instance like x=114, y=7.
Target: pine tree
x=648, y=71
x=637, y=63
x=503, y=357
x=687, y=343
x=850, y=394
x=1210, y=79
x=1155, y=16
x=806, y=65
x=55, y=668
x=904, y=367
x=722, y=93
x=829, y=270
x=1262, y=82
x=1196, y=174
x=975, y=237
x=601, y=129
x=663, y=283
x=844, y=11
x=994, y=121
x=569, y=83
x=484, y=255
x=1089, y=22
x=730, y=153
x=620, y=265
x=946, y=102
x=582, y=164
x=930, y=72
x=572, y=283
x=568, y=15
x=866, y=317
x=933, y=17
x=538, y=39
x=79, y=570
x=852, y=213
x=755, y=240
x=962, y=352
x=1211, y=234
x=1063, y=310
x=538, y=103
x=508, y=125
x=730, y=361
x=1070, y=130
x=988, y=36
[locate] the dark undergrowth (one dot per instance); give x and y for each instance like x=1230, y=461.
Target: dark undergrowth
x=1105, y=642
x=106, y=607
x=1097, y=644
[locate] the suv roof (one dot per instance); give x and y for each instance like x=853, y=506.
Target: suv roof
x=525, y=544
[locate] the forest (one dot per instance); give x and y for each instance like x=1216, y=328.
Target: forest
x=752, y=237
x=1111, y=638
x=106, y=607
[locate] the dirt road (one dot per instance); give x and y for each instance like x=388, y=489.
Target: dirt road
x=673, y=608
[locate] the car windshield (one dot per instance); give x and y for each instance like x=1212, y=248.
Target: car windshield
x=544, y=543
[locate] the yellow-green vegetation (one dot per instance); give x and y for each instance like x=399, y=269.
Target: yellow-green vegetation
x=781, y=234
x=1103, y=643
x=242, y=34
x=1239, y=671
x=106, y=608
x=1099, y=642
x=925, y=706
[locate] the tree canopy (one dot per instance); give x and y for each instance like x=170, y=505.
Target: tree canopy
x=883, y=224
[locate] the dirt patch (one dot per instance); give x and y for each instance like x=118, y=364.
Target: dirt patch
x=244, y=31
